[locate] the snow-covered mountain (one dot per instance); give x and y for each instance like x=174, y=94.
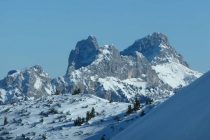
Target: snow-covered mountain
x=148, y=68
x=168, y=64
x=35, y=106
x=185, y=116
x=23, y=85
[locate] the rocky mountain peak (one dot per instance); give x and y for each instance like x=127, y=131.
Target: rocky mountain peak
x=84, y=53
x=37, y=68
x=148, y=45
x=31, y=82
x=158, y=38
x=156, y=48
x=106, y=72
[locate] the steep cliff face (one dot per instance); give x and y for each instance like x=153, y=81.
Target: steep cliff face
x=84, y=54
x=145, y=61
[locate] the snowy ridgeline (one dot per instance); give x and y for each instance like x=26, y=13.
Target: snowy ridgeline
x=150, y=67
x=35, y=106
x=54, y=117
x=185, y=116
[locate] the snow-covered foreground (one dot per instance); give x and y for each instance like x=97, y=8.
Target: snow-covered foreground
x=185, y=116
x=53, y=117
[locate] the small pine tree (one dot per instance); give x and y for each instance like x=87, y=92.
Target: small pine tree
x=88, y=116
x=103, y=137
x=79, y=121
x=76, y=91
x=44, y=136
x=82, y=120
x=130, y=110
x=5, y=121
x=136, y=105
x=92, y=113
x=110, y=101
x=149, y=101
x=142, y=113
x=57, y=92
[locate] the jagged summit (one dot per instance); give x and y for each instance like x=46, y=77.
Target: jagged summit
x=159, y=37
x=84, y=53
x=156, y=48
x=147, y=44
x=150, y=67
x=146, y=58
x=32, y=82
x=42, y=103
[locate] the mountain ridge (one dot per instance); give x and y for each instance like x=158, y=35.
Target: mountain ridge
x=91, y=68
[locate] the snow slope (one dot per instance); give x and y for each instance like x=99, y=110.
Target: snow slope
x=185, y=116
x=53, y=117
x=175, y=74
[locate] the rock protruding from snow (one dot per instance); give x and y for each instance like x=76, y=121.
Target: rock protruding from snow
x=30, y=83
x=84, y=54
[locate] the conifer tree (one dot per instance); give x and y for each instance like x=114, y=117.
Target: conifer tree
x=57, y=92
x=130, y=110
x=76, y=91
x=5, y=121
x=136, y=105
x=88, y=116
x=92, y=113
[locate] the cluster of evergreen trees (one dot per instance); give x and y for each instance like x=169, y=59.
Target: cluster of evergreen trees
x=136, y=107
x=89, y=115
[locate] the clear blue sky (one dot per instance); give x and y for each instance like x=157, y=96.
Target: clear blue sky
x=44, y=31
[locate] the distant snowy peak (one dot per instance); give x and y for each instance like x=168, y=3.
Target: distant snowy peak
x=156, y=48
x=32, y=82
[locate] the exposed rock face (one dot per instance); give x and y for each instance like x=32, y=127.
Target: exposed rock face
x=30, y=83
x=84, y=54
x=140, y=62
x=156, y=48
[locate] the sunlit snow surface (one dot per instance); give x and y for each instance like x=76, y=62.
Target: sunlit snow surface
x=185, y=116
x=175, y=74
x=29, y=117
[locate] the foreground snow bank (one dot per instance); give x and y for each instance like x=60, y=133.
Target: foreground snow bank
x=185, y=116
